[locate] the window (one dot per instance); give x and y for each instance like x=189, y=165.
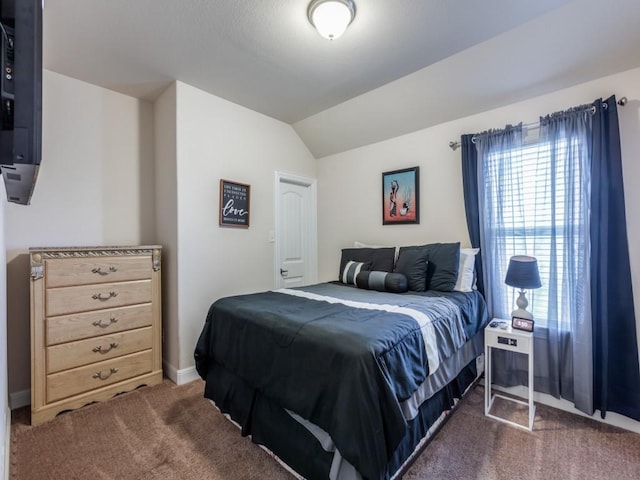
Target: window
x=536, y=204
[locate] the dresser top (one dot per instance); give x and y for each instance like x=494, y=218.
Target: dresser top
x=101, y=248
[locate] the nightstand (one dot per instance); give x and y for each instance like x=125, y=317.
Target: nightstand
x=514, y=341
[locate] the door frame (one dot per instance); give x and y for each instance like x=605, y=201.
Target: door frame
x=312, y=250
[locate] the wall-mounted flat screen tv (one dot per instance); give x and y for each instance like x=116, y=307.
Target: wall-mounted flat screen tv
x=21, y=95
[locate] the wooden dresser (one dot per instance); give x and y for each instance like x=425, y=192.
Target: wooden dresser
x=95, y=325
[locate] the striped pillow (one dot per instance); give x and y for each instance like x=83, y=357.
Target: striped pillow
x=382, y=281
x=351, y=271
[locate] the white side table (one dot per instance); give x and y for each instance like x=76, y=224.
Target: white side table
x=515, y=341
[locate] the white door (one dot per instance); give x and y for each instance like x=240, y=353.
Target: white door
x=295, y=231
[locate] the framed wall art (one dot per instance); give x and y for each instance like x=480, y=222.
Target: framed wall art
x=401, y=196
x=234, y=204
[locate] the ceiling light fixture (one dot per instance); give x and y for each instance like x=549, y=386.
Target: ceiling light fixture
x=331, y=17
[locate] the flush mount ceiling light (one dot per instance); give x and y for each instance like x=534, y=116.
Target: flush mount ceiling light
x=331, y=17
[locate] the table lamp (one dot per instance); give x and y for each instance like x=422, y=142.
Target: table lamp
x=523, y=274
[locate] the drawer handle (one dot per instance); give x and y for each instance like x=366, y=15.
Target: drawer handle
x=99, y=375
x=98, y=296
x=99, y=349
x=98, y=270
x=98, y=323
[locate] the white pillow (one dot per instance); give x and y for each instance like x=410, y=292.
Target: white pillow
x=358, y=244
x=466, y=268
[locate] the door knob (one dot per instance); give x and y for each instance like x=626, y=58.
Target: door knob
x=284, y=273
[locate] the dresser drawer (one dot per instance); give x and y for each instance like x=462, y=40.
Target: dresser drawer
x=65, y=300
x=84, y=352
x=68, y=328
x=84, y=271
x=90, y=377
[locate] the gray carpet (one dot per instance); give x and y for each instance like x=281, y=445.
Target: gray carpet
x=561, y=446
x=170, y=432
x=165, y=432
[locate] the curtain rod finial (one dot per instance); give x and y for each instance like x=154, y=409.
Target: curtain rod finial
x=453, y=145
x=622, y=102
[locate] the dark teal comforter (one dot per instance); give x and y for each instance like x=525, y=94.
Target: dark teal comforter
x=345, y=368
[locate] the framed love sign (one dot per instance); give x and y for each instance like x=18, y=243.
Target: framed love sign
x=234, y=204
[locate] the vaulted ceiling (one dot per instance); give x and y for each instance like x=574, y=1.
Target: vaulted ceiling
x=402, y=65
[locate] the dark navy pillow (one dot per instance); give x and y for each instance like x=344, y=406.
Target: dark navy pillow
x=412, y=263
x=381, y=259
x=382, y=281
x=444, y=261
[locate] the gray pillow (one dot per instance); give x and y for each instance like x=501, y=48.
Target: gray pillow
x=382, y=281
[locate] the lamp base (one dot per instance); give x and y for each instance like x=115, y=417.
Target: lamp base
x=520, y=313
x=522, y=304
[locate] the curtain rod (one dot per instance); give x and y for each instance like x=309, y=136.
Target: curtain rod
x=535, y=125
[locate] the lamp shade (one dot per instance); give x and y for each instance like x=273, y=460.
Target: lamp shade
x=523, y=272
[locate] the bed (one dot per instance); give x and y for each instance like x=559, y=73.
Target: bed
x=345, y=379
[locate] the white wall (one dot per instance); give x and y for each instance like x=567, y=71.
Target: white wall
x=350, y=183
x=218, y=139
x=100, y=183
x=95, y=187
x=350, y=195
x=166, y=211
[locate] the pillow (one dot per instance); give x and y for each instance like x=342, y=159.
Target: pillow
x=358, y=244
x=442, y=270
x=412, y=263
x=382, y=281
x=381, y=258
x=466, y=270
x=351, y=271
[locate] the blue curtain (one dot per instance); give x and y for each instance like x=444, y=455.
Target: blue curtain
x=566, y=367
x=616, y=371
x=470, y=188
x=499, y=155
x=586, y=350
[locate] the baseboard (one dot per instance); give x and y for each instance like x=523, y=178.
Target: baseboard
x=20, y=399
x=182, y=376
